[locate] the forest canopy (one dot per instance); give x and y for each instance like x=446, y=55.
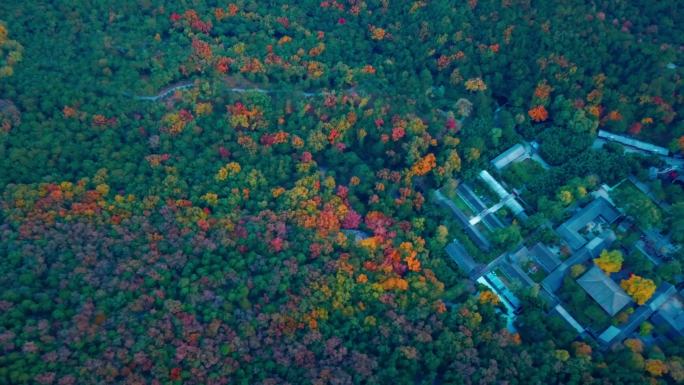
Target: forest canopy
x=210, y=192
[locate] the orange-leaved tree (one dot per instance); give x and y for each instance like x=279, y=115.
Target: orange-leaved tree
x=424, y=165
x=487, y=296
x=538, y=114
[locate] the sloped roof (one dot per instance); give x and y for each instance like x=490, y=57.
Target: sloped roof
x=633, y=143
x=459, y=254
x=516, y=274
x=572, y=238
x=553, y=281
x=672, y=312
x=546, y=259
x=509, y=156
x=599, y=207
x=604, y=290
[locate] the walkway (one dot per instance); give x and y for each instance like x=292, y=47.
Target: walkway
x=165, y=92
x=491, y=210
x=475, y=235
x=475, y=203
x=504, y=195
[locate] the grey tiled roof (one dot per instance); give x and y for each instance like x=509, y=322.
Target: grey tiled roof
x=459, y=254
x=516, y=274
x=598, y=208
x=604, y=290
x=509, y=156
x=633, y=143
x=572, y=238
x=544, y=257
x=672, y=314
x=553, y=281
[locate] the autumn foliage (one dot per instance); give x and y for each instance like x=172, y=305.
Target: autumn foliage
x=475, y=84
x=424, y=165
x=11, y=52
x=640, y=289
x=655, y=368
x=609, y=261
x=214, y=193
x=538, y=114
x=487, y=296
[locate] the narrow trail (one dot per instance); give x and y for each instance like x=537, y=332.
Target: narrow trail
x=166, y=91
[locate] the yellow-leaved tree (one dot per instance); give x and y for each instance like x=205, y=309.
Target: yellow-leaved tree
x=656, y=368
x=639, y=288
x=609, y=261
x=10, y=52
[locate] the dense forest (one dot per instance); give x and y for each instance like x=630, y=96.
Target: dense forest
x=208, y=192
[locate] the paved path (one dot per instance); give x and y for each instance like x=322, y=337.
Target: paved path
x=477, y=218
x=475, y=235
x=475, y=203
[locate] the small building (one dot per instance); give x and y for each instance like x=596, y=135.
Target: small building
x=506, y=198
x=592, y=216
x=600, y=243
x=544, y=257
x=604, y=291
x=670, y=316
x=660, y=244
x=554, y=280
x=662, y=295
x=458, y=254
x=514, y=153
x=627, y=141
